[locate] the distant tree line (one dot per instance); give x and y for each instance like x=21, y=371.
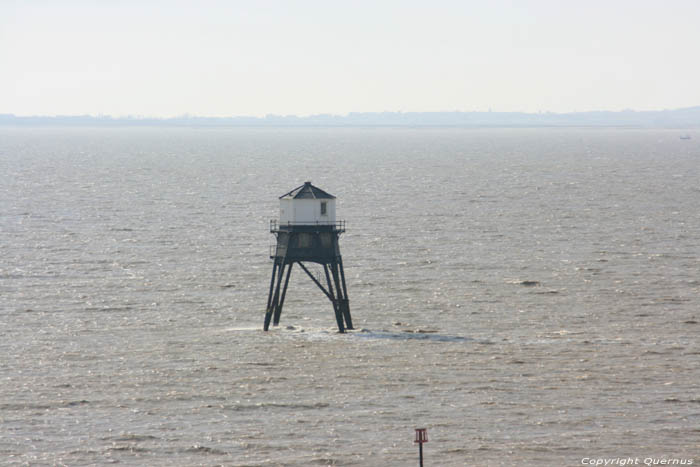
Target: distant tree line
x=677, y=118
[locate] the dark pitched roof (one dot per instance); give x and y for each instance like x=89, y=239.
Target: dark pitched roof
x=307, y=190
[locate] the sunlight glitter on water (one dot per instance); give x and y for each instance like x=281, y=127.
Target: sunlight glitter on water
x=529, y=296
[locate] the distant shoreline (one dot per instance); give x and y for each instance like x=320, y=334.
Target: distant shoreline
x=672, y=119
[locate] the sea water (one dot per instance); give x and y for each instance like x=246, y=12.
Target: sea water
x=530, y=296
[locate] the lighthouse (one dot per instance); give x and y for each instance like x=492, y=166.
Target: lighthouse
x=307, y=232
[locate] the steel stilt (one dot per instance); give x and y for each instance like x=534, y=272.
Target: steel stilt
x=278, y=310
x=276, y=298
x=268, y=312
x=336, y=306
x=344, y=301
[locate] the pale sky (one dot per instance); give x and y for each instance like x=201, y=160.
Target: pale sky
x=255, y=57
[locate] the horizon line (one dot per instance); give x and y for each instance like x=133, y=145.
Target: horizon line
x=339, y=115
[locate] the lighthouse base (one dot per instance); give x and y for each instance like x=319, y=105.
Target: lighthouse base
x=335, y=290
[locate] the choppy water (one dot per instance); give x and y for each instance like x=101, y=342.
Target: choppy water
x=529, y=296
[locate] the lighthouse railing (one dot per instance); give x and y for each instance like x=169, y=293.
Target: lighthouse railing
x=276, y=226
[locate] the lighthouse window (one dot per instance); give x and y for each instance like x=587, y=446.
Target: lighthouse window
x=304, y=240
x=326, y=240
x=323, y=208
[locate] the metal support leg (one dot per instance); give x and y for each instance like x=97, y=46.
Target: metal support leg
x=341, y=299
x=268, y=312
x=345, y=302
x=276, y=299
x=320, y=286
x=278, y=310
x=336, y=305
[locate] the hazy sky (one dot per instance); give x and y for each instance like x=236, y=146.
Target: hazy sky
x=256, y=57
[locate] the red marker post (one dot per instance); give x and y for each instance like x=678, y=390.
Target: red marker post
x=421, y=437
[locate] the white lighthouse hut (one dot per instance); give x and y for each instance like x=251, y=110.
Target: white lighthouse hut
x=307, y=205
x=308, y=232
